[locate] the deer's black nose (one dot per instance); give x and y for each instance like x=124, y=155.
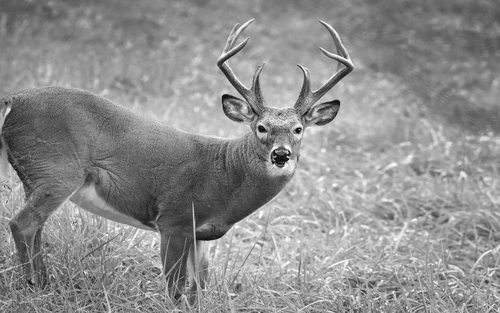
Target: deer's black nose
x=280, y=156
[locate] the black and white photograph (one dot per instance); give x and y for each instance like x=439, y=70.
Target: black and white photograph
x=250, y=156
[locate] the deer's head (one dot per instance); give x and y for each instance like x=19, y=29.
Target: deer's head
x=278, y=131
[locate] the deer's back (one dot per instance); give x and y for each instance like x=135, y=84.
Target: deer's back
x=70, y=137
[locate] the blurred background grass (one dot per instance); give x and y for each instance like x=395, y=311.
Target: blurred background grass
x=395, y=205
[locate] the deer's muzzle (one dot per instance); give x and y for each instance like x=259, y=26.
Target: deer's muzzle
x=280, y=156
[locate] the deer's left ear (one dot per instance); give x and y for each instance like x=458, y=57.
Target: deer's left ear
x=321, y=113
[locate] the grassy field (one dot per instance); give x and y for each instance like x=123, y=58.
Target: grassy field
x=394, y=207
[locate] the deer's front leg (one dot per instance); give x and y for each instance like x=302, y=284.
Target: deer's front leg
x=198, y=265
x=174, y=255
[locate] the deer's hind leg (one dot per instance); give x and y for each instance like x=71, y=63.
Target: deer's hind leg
x=26, y=227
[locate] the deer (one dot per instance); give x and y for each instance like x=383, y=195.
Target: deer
x=69, y=144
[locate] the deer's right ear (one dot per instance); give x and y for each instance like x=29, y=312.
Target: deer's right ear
x=237, y=109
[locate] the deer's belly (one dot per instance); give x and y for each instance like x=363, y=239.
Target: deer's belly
x=87, y=198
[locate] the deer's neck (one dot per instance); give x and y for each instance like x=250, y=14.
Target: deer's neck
x=250, y=180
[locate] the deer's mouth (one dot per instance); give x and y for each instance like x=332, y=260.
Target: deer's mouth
x=280, y=156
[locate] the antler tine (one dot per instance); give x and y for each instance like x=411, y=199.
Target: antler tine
x=233, y=36
x=254, y=95
x=256, y=88
x=307, y=97
x=306, y=86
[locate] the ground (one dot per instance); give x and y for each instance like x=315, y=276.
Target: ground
x=394, y=207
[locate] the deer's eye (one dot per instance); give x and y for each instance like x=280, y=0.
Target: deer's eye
x=261, y=129
x=298, y=130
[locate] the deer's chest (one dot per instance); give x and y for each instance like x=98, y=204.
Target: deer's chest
x=221, y=212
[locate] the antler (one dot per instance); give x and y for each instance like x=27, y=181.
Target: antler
x=307, y=97
x=254, y=95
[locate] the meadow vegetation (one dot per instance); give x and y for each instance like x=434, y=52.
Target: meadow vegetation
x=394, y=207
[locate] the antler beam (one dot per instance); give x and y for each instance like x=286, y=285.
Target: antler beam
x=307, y=97
x=253, y=95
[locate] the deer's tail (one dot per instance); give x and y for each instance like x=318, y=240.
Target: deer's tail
x=5, y=107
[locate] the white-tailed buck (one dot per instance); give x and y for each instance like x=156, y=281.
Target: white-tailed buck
x=69, y=144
